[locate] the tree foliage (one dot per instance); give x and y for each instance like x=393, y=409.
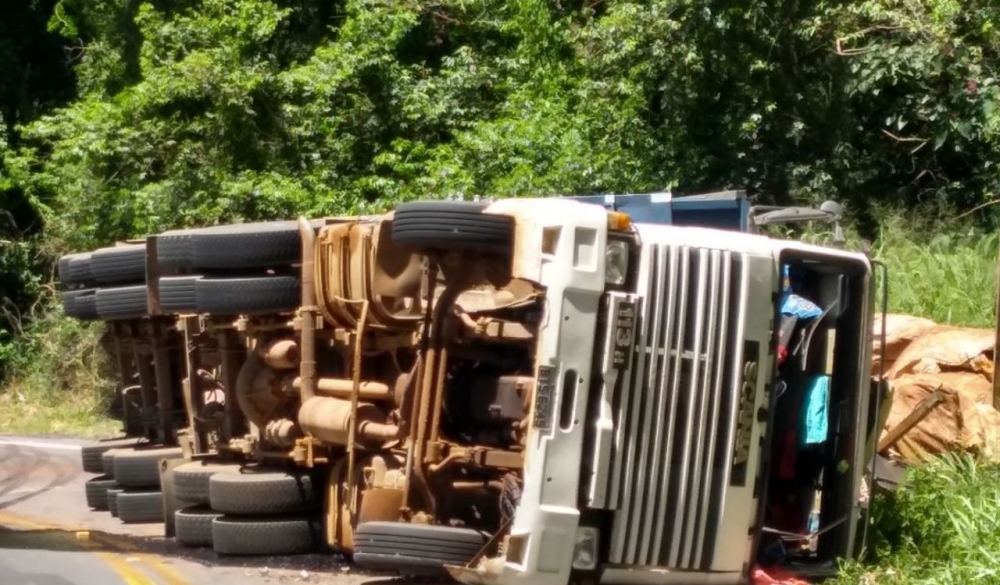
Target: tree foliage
x=165, y=113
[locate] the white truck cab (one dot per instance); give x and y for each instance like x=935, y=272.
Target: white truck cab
x=671, y=439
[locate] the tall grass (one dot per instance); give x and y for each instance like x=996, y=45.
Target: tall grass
x=943, y=272
x=941, y=527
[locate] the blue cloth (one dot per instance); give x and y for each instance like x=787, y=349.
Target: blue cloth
x=802, y=308
x=816, y=419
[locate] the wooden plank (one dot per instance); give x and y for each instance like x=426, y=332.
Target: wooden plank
x=922, y=411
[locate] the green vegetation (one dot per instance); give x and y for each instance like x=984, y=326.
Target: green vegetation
x=947, y=275
x=942, y=527
x=61, y=382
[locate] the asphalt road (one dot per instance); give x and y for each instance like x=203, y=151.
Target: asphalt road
x=48, y=535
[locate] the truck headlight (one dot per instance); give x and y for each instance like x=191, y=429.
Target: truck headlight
x=585, y=548
x=616, y=262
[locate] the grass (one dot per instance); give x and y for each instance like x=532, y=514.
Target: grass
x=941, y=527
x=60, y=380
x=944, y=273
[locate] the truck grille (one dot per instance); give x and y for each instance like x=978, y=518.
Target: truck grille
x=675, y=409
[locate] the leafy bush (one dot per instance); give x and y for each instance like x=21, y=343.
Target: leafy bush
x=61, y=380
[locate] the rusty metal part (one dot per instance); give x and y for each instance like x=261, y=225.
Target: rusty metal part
x=341, y=388
x=147, y=385
x=342, y=507
x=429, y=378
x=403, y=388
x=479, y=457
x=232, y=356
x=163, y=371
x=329, y=419
x=439, y=383
x=307, y=312
x=352, y=431
x=282, y=354
x=415, y=449
x=380, y=505
x=124, y=359
x=258, y=390
x=282, y=432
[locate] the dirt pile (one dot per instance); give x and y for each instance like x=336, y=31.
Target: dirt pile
x=955, y=366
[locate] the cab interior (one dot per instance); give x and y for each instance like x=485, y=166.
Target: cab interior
x=808, y=512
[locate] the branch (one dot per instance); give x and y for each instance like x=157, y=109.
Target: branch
x=978, y=208
x=903, y=138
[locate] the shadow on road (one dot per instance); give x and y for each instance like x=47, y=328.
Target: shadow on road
x=59, y=540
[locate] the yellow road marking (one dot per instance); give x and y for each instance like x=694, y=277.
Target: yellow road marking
x=124, y=570
x=132, y=577
x=163, y=570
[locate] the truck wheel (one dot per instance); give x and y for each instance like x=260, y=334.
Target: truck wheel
x=191, y=480
x=113, y=494
x=254, y=492
x=80, y=304
x=140, y=506
x=265, y=536
x=92, y=456
x=119, y=264
x=177, y=294
x=236, y=296
x=248, y=245
x=194, y=525
x=123, y=302
x=141, y=468
x=75, y=269
x=415, y=549
x=63, y=268
x=451, y=224
x=108, y=461
x=97, y=491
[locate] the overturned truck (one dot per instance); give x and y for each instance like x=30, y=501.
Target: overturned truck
x=538, y=391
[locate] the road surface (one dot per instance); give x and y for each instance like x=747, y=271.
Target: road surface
x=48, y=535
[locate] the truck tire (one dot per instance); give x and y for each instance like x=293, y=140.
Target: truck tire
x=191, y=480
x=123, y=302
x=63, y=268
x=136, y=506
x=238, y=296
x=97, y=491
x=234, y=535
x=141, y=468
x=92, y=455
x=80, y=304
x=254, y=492
x=248, y=245
x=178, y=294
x=194, y=525
x=416, y=549
x=78, y=270
x=450, y=225
x=108, y=462
x=113, y=494
x=119, y=264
